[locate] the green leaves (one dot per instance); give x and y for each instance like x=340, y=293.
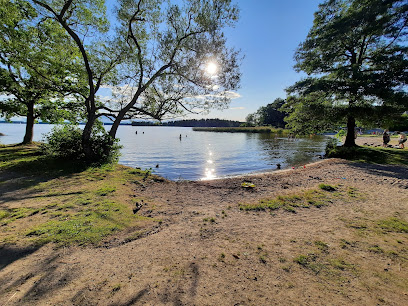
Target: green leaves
x=39, y=66
x=357, y=63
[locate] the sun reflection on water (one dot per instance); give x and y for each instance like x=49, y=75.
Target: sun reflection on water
x=209, y=172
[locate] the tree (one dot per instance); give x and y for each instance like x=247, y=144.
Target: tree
x=86, y=24
x=158, y=57
x=270, y=114
x=251, y=120
x=355, y=56
x=34, y=72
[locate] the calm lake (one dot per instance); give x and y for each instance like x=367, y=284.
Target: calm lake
x=197, y=155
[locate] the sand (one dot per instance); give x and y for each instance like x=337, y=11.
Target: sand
x=206, y=251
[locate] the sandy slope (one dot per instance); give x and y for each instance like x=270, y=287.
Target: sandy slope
x=237, y=258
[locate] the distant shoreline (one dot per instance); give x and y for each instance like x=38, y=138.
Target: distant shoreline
x=242, y=130
x=82, y=123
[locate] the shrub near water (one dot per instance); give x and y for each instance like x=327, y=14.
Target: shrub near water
x=65, y=142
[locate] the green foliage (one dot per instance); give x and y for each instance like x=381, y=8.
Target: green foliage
x=331, y=146
x=65, y=142
x=356, y=61
x=270, y=114
x=156, y=45
x=38, y=67
x=340, y=134
x=400, y=123
x=195, y=123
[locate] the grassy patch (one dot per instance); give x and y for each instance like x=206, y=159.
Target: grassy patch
x=4, y=214
x=314, y=197
x=327, y=187
x=10, y=215
x=371, y=155
x=66, y=206
x=86, y=226
x=28, y=159
x=322, y=245
x=320, y=262
x=105, y=190
x=393, y=225
x=340, y=264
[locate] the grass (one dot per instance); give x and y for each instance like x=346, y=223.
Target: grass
x=28, y=159
x=320, y=261
x=314, y=197
x=84, y=226
x=66, y=205
x=385, y=156
x=327, y=187
x=261, y=129
x=393, y=225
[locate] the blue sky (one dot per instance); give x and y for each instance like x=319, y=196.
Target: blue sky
x=268, y=34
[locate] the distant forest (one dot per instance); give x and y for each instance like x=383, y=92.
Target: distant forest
x=191, y=123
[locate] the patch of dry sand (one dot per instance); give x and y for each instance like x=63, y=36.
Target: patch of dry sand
x=208, y=252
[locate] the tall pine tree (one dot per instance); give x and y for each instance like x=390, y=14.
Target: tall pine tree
x=355, y=56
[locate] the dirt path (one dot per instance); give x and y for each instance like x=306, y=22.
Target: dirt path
x=207, y=251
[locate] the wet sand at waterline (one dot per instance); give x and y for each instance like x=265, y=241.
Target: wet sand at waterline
x=206, y=251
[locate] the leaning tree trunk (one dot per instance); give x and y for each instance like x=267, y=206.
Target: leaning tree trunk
x=28, y=137
x=115, y=125
x=350, y=137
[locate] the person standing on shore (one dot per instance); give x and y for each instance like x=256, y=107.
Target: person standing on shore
x=401, y=139
x=386, y=138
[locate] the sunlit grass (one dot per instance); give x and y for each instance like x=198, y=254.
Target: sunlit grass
x=371, y=155
x=314, y=197
x=393, y=225
x=87, y=225
x=67, y=204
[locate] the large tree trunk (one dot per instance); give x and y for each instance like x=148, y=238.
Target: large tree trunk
x=86, y=137
x=350, y=137
x=28, y=137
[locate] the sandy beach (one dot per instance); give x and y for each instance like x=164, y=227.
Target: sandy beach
x=207, y=251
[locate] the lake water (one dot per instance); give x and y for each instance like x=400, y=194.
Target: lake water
x=197, y=155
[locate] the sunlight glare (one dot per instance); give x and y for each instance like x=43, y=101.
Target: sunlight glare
x=211, y=68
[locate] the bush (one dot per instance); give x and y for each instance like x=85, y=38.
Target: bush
x=331, y=146
x=340, y=134
x=65, y=142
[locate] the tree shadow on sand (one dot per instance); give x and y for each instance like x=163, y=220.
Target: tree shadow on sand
x=9, y=255
x=389, y=171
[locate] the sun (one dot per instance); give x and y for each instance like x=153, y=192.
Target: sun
x=211, y=68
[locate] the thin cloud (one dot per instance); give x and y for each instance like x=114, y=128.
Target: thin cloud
x=239, y=107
